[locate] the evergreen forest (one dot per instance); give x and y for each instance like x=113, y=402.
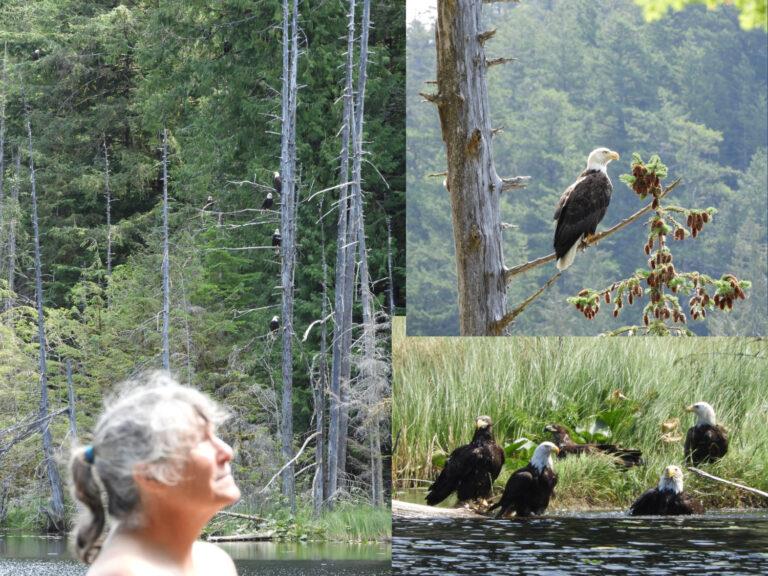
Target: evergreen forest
x=691, y=87
x=98, y=100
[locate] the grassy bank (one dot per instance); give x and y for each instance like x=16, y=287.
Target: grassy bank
x=348, y=522
x=442, y=384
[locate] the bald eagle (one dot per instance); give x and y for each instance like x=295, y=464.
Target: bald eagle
x=274, y=324
x=470, y=469
x=529, y=489
x=627, y=457
x=267, y=204
x=706, y=441
x=582, y=206
x=667, y=498
x=277, y=182
x=276, y=240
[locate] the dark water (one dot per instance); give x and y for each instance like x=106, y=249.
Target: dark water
x=36, y=556
x=609, y=543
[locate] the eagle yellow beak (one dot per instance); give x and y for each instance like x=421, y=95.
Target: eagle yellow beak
x=689, y=409
x=556, y=450
x=614, y=155
x=670, y=473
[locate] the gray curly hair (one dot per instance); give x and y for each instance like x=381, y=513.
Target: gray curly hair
x=152, y=422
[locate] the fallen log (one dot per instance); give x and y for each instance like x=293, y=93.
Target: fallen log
x=402, y=509
x=250, y=517
x=718, y=479
x=259, y=536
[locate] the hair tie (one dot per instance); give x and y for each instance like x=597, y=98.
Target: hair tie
x=89, y=454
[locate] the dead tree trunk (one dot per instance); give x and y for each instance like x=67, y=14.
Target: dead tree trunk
x=14, y=212
x=288, y=233
x=391, y=291
x=473, y=184
x=108, y=194
x=3, y=93
x=343, y=289
x=71, y=398
x=321, y=469
x=56, y=514
x=165, y=267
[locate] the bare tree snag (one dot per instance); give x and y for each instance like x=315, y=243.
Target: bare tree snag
x=108, y=194
x=166, y=263
x=14, y=209
x=71, y=397
x=472, y=182
x=56, y=513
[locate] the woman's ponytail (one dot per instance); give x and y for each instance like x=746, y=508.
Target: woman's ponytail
x=86, y=489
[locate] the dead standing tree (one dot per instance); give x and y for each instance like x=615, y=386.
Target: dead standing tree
x=288, y=233
x=56, y=513
x=165, y=266
x=474, y=186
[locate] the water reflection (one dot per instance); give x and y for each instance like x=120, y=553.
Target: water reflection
x=588, y=544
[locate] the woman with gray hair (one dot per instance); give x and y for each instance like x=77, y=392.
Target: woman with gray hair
x=165, y=472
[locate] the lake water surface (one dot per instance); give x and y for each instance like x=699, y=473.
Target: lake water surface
x=607, y=543
x=40, y=556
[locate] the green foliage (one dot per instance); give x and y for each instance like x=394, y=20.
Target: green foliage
x=752, y=13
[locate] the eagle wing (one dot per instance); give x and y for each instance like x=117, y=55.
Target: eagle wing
x=580, y=209
x=647, y=504
x=459, y=464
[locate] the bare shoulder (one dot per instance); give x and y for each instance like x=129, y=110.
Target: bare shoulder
x=210, y=557
x=121, y=567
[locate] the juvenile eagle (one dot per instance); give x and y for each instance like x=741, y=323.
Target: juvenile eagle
x=626, y=457
x=706, y=441
x=582, y=206
x=529, y=489
x=667, y=498
x=470, y=469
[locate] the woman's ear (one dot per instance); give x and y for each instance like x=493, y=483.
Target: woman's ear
x=145, y=480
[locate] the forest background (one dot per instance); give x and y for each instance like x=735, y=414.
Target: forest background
x=116, y=73
x=691, y=87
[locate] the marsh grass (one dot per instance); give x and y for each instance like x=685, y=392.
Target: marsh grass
x=442, y=384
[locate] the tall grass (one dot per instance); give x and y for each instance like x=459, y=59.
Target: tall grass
x=442, y=384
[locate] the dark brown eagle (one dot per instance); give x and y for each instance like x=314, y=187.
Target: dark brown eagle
x=627, y=457
x=470, y=469
x=582, y=206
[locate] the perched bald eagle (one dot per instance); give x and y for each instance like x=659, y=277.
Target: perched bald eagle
x=274, y=324
x=529, y=489
x=277, y=182
x=626, y=457
x=470, y=469
x=276, y=240
x=582, y=206
x=267, y=204
x=667, y=498
x=706, y=441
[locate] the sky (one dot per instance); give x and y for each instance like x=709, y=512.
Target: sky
x=423, y=10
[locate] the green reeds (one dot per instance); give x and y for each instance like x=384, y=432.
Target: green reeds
x=442, y=384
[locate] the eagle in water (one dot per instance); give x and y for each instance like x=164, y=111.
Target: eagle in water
x=667, y=498
x=706, y=441
x=470, y=469
x=529, y=489
x=582, y=206
x=626, y=457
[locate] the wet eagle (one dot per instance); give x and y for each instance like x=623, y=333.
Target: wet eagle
x=582, y=206
x=626, y=457
x=667, y=498
x=470, y=469
x=529, y=489
x=706, y=441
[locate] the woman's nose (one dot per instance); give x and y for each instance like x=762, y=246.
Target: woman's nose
x=225, y=452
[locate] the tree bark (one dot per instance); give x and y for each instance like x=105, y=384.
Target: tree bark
x=473, y=185
x=3, y=95
x=165, y=266
x=56, y=514
x=342, y=298
x=288, y=233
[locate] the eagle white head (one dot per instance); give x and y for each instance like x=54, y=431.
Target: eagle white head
x=277, y=231
x=671, y=479
x=705, y=414
x=483, y=422
x=269, y=195
x=600, y=157
x=542, y=456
